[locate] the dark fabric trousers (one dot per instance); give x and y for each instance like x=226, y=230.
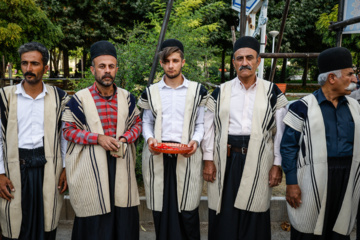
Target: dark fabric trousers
x=32, y=163
x=232, y=223
x=338, y=177
x=170, y=224
x=119, y=224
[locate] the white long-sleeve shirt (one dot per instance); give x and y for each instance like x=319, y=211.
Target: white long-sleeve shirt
x=242, y=105
x=173, y=110
x=30, y=114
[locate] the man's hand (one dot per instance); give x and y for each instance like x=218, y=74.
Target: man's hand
x=108, y=143
x=209, y=172
x=6, y=188
x=275, y=176
x=293, y=195
x=122, y=139
x=193, y=144
x=62, y=182
x=152, y=141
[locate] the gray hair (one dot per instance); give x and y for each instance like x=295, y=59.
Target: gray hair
x=35, y=46
x=323, y=76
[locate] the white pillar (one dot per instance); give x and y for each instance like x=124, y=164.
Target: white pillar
x=263, y=16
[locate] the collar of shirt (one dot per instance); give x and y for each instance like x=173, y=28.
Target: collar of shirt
x=238, y=84
x=94, y=87
x=20, y=90
x=185, y=83
x=321, y=97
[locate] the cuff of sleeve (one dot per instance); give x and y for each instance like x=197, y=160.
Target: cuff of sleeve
x=124, y=136
x=195, y=138
x=208, y=156
x=277, y=161
x=93, y=138
x=291, y=178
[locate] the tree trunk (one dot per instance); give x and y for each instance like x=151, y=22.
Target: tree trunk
x=66, y=63
x=66, y=67
x=223, y=66
x=83, y=66
x=232, y=75
x=304, y=76
x=283, y=71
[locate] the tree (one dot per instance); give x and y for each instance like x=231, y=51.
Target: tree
x=300, y=30
x=23, y=21
x=350, y=41
x=85, y=22
x=136, y=47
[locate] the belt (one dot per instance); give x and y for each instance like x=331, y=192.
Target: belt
x=242, y=150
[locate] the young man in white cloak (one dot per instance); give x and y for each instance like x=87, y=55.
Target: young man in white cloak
x=174, y=112
x=32, y=151
x=243, y=129
x=100, y=121
x=321, y=153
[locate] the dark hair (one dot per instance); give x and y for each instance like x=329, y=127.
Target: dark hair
x=164, y=54
x=35, y=46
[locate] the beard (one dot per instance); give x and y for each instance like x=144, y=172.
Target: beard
x=35, y=80
x=173, y=75
x=104, y=83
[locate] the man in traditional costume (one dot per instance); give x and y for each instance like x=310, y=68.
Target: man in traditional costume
x=321, y=154
x=243, y=129
x=173, y=112
x=100, y=121
x=32, y=151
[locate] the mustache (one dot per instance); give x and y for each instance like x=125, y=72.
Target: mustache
x=245, y=67
x=351, y=87
x=29, y=74
x=107, y=75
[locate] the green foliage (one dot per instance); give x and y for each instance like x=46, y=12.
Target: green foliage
x=350, y=41
x=322, y=25
x=138, y=166
x=23, y=21
x=188, y=23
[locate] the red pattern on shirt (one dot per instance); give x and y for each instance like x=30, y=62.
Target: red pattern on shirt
x=107, y=110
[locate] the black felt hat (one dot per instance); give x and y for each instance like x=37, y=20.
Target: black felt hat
x=247, y=42
x=172, y=43
x=102, y=48
x=332, y=59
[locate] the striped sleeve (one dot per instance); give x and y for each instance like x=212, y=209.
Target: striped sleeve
x=212, y=98
x=143, y=101
x=133, y=122
x=296, y=115
x=281, y=100
x=203, y=95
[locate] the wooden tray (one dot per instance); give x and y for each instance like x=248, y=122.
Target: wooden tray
x=172, y=148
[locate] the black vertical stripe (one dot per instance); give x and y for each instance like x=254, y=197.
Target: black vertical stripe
x=97, y=178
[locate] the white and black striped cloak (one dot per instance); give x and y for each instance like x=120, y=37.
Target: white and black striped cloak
x=10, y=212
x=188, y=170
x=254, y=192
x=306, y=118
x=86, y=165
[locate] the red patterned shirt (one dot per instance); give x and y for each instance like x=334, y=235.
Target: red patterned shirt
x=107, y=110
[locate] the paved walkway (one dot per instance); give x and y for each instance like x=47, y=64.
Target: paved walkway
x=64, y=232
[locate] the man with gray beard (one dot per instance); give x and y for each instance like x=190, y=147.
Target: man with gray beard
x=101, y=124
